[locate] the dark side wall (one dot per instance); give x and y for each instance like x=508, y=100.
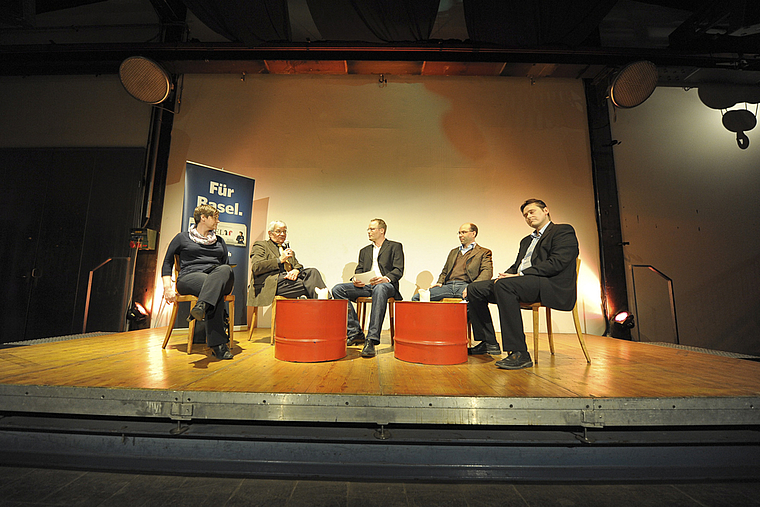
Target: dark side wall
x=72, y=156
x=688, y=200
x=75, y=208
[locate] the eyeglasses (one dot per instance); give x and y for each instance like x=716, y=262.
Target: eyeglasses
x=372, y=229
x=464, y=232
x=280, y=232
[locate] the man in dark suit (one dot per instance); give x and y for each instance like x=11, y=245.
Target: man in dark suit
x=468, y=263
x=276, y=271
x=385, y=259
x=544, y=271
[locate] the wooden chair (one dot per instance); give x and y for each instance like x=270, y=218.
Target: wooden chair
x=230, y=298
x=254, y=321
x=535, y=306
x=469, y=324
x=361, y=313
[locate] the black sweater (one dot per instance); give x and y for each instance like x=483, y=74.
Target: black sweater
x=193, y=256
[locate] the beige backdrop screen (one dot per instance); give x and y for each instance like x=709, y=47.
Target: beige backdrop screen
x=426, y=154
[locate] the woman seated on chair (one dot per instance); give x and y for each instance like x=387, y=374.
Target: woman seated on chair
x=204, y=271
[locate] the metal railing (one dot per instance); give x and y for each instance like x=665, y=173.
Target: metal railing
x=89, y=288
x=671, y=294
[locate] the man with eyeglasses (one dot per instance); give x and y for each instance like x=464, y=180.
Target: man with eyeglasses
x=465, y=264
x=385, y=258
x=276, y=271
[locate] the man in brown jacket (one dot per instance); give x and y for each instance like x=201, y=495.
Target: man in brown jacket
x=468, y=263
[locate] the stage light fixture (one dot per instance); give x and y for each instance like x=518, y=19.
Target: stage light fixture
x=625, y=319
x=633, y=84
x=739, y=121
x=621, y=325
x=145, y=79
x=725, y=96
x=137, y=313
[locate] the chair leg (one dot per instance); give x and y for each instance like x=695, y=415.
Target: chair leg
x=172, y=321
x=578, y=332
x=274, y=321
x=391, y=311
x=361, y=310
x=190, y=333
x=254, y=321
x=535, y=335
x=232, y=321
x=549, y=329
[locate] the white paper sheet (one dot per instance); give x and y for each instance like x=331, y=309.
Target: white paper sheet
x=365, y=277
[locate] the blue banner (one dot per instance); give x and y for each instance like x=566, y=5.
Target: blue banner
x=232, y=195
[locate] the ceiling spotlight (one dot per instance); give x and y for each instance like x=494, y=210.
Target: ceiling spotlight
x=144, y=79
x=740, y=120
x=633, y=84
x=724, y=96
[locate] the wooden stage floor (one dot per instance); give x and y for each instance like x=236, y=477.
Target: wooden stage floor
x=627, y=384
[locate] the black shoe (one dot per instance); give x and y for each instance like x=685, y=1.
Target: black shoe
x=355, y=340
x=369, y=349
x=199, y=311
x=484, y=348
x=222, y=351
x=515, y=361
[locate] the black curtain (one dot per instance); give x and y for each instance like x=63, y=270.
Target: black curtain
x=398, y=20
x=251, y=22
x=535, y=23
x=508, y=23
x=374, y=20
x=254, y=22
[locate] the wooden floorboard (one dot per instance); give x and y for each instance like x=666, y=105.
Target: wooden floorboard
x=619, y=369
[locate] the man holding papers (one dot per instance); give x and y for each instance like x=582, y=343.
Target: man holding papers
x=381, y=266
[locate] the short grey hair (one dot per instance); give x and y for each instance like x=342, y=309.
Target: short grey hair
x=276, y=223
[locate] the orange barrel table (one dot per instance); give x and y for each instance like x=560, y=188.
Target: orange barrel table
x=310, y=330
x=431, y=333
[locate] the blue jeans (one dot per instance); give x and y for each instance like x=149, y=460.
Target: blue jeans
x=380, y=295
x=450, y=289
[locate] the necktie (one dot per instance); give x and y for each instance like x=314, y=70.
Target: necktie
x=525, y=263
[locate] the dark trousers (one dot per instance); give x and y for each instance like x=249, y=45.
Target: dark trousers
x=305, y=285
x=210, y=288
x=506, y=293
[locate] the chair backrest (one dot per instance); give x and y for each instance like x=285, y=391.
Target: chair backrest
x=176, y=275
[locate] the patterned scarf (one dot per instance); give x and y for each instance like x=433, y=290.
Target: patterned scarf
x=208, y=239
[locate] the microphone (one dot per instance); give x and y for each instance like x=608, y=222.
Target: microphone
x=286, y=264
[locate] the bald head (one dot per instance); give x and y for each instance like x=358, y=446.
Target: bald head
x=467, y=233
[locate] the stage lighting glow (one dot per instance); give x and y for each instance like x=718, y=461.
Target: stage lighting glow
x=137, y=313
x=621, y=325
x=624, y=319
x=141, y=309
